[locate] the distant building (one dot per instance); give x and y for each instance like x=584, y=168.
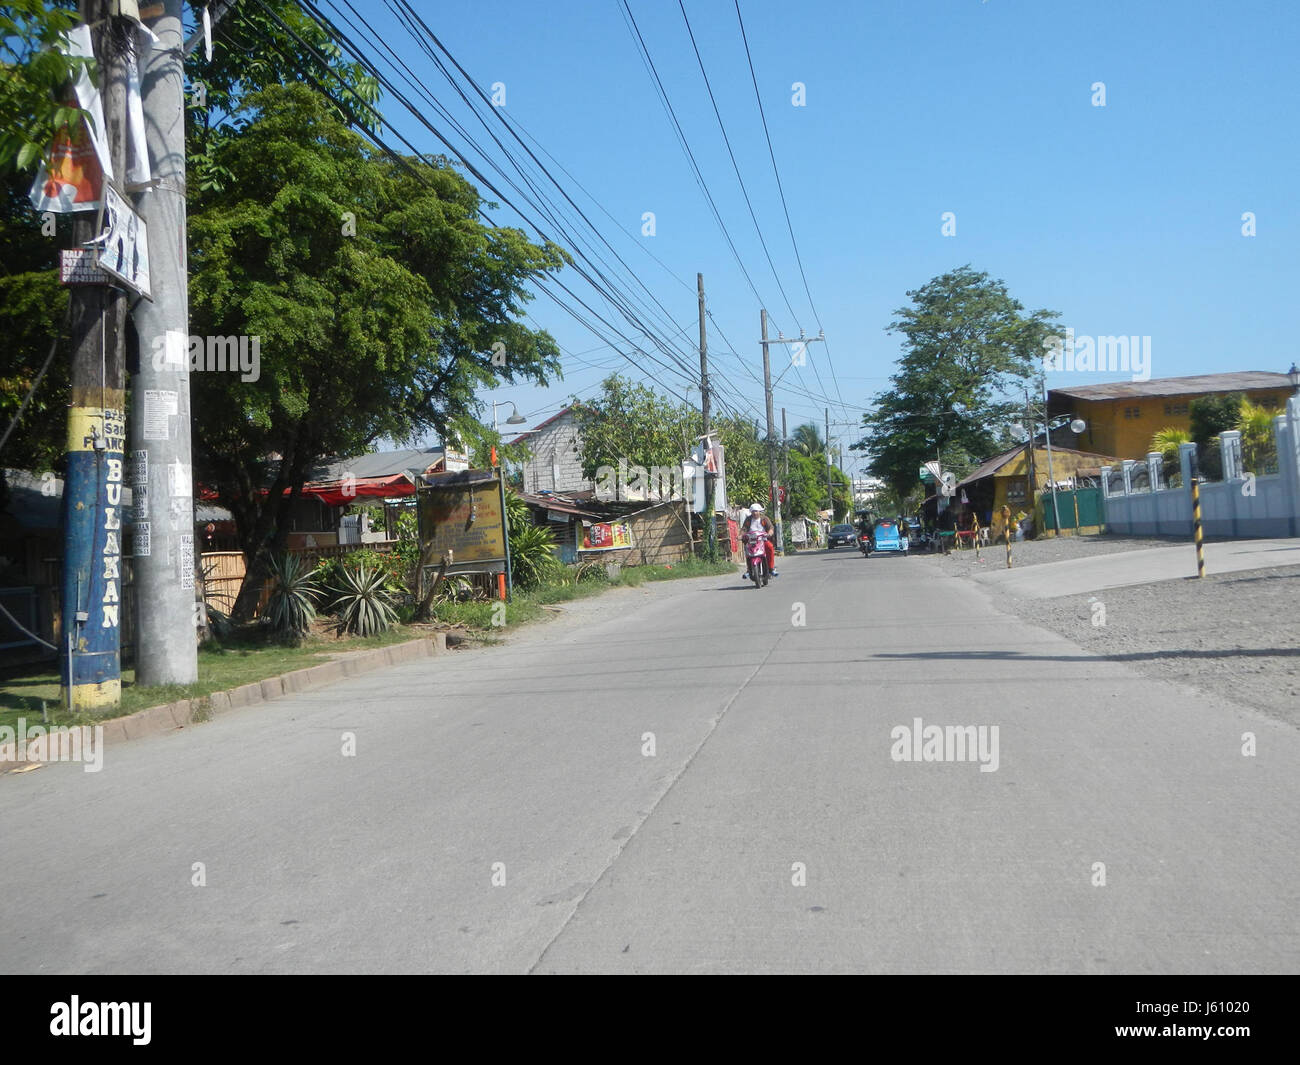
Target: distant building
x=555, y=464
x=1123, y=417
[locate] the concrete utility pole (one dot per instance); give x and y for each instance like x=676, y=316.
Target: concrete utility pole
x=161, y=472
x=771, y=448
x=1029, y=453
x=91, y=596
x=785, y=450
x=830, y=492
x=798, y=360
x=710, y=522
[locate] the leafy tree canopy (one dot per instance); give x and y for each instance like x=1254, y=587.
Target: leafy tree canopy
x=966, y=345
x=376, y=293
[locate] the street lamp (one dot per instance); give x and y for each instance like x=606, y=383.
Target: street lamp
x=1294, y=375
x=515, y=419
x=1077, y=426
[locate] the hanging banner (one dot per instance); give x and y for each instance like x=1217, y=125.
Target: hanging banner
x=72, y=177
x=606, y=536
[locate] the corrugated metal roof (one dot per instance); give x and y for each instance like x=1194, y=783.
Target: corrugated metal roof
x=1202, y=384
x=997, y=462
x=376, y=464
x=38, y=504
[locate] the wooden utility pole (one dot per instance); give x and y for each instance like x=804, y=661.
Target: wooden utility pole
x=92, y=592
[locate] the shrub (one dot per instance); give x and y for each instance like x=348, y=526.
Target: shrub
x=292, y=606
x=331, y=574
x=363, y=602
x=532, y=555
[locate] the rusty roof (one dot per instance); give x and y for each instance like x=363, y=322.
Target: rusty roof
x=1201, y=384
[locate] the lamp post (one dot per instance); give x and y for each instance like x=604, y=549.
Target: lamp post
x=515, y=419
x=1294, y=375
x=1077, y=426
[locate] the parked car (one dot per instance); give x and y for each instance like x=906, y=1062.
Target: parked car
x=887, y=536
x=842, y=534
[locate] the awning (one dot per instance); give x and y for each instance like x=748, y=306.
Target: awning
x=339, y=493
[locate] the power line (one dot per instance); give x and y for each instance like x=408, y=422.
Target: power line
x=735, y=165
x=781, y=189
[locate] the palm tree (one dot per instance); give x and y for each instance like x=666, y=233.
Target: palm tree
x=1258, y=448
x=807, y=440
x=1166, y=442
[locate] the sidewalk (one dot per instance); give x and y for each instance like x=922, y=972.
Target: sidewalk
x=1082, y=575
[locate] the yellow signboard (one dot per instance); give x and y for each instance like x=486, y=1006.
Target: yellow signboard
x=460, y=514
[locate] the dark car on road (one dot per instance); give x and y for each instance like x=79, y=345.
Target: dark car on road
x=842, y=534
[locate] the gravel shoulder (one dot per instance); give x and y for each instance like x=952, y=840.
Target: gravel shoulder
x=1233, y=635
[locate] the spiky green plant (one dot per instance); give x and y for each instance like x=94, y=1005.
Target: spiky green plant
x=1166, y=441
x=292, y=606
x=1258, y=446
x=532, y=555
x=364, y=605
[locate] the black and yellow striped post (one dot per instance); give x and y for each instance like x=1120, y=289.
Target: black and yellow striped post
x=1196, y=527
x=1006, y=531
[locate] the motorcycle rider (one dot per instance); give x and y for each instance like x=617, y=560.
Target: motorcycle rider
x=758, y=522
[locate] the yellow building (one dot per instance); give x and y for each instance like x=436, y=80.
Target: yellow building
x=1004, y=480
x=1123, y=417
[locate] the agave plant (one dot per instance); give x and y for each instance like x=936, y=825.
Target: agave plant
x=363, y=602
x=292, y=606
x=532, y=555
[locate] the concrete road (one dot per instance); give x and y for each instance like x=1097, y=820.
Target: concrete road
x=1078, y=576
x=770, y=830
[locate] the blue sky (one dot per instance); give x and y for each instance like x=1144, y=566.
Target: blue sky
x=1124, y=218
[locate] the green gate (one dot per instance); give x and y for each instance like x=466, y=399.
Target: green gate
x=1086, y=500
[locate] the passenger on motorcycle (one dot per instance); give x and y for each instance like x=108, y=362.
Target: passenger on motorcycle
x=758, y=522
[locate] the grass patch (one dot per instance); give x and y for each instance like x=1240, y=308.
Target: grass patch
x=243, y=658
x=527, y=605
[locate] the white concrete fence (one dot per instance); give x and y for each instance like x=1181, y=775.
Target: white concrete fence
x=1137, y=502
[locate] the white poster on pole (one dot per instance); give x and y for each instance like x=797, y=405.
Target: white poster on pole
x=124, y=244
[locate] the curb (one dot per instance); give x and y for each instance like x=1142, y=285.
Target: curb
x=172, y=716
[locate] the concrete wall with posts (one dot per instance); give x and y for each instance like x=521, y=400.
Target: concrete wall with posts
x=1245, y=504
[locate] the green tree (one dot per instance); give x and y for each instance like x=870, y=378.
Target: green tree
x=1258, y=444
x=1211, y=415
x=966, y=343
x=377, y=295
x=633, y=424
x=35, y=79
x=746, y=459
x=807, y=440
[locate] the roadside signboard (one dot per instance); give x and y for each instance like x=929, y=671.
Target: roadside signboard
x=461, y=520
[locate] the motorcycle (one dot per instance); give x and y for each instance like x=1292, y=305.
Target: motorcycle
x=756, y=556
x=864, y=544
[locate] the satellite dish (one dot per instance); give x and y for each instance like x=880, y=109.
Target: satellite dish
x=1018, y=433
x=1077, y=426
